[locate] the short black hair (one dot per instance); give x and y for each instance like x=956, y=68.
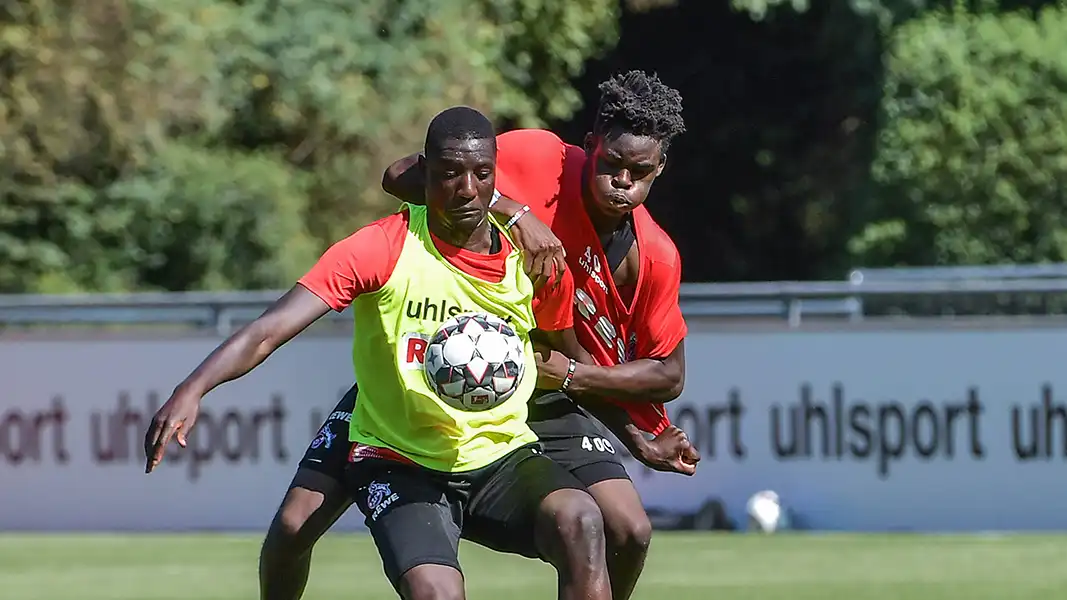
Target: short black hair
x=457, y=123
x=640, y=104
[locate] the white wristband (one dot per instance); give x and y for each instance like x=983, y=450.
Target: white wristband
x=518, y=215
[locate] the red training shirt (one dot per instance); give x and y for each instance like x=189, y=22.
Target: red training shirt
x=535, y=167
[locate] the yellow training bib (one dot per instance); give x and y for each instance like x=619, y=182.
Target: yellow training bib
x=395, y=408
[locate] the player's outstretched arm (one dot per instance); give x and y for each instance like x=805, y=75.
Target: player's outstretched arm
x=239, y=354
x=642, y=380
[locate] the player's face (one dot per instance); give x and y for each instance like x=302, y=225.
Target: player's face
x=623, y=167
x=459, y=183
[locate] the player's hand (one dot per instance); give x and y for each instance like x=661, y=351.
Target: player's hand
x=551, y=367
x=671, y=452
x=174, y=419
x=544, y=258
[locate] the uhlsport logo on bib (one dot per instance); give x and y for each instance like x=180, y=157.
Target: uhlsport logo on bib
x=429, y=309
x=591, y=264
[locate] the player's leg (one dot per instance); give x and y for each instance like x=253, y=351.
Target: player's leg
x=570, y=534
x=316, y=498
x=414, y=524
x=627, y=530
x=312, y=504
x=531, y=506
x=574, y=439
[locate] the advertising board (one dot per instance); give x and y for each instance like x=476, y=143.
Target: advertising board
x=857, y=429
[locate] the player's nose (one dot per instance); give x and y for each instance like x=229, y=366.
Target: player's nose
x=467, y=187
x=622, y=180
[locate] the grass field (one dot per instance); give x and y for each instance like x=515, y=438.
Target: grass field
x=681, y=567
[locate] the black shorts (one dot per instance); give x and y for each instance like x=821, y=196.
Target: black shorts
x=328, y=452
x=569, y=435
x=416, y=516
x=574, y=439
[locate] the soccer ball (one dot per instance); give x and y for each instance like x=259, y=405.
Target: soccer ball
x=474, y=362
x=766, y=513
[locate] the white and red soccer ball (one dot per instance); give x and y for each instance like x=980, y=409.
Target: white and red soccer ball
x=474, y=362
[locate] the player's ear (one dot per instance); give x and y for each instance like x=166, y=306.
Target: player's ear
x=662, y=164
x=589, y=143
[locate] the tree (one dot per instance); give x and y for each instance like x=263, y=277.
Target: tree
x=780, y=117
x=344, y=88
x=90, y=93
x=973, y=153
x=184, y=144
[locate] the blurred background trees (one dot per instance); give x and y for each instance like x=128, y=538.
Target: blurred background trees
x=222, y=144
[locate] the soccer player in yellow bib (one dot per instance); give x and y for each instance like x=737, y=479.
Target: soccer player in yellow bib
x=421, y=471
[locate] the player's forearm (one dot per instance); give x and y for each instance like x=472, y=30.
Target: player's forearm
x=641, y=381
x=505, y=208
x=242, y=352
x=403, y=180
x=611, y=415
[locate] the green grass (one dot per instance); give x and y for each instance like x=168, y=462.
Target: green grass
x=681, y=567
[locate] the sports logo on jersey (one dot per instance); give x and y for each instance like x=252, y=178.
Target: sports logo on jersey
x=586, y=306
x=379, y=497
x=325, y=438
x=412, y=350
x=591, y=263
x=606, y=330
x=428, y=309
x=631, y=348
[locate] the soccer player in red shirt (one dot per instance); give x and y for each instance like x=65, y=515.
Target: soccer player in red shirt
x=627, y=275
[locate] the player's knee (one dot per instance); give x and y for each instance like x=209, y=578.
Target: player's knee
x=577, y=520
x=290, y=532
x=630, y=533
x=294, y=515
x=432, y=582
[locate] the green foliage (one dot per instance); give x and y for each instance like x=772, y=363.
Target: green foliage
x=213, y=219
x=546, y=46
x=88, y=95
x=211, y=144
x=188, y=144
x=973, y=153
x=888, y=11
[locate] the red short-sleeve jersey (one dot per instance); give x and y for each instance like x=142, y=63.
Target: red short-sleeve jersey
x=535, y=167
x=363, y=262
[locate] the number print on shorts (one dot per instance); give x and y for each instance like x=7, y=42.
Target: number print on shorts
x=597, y=443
